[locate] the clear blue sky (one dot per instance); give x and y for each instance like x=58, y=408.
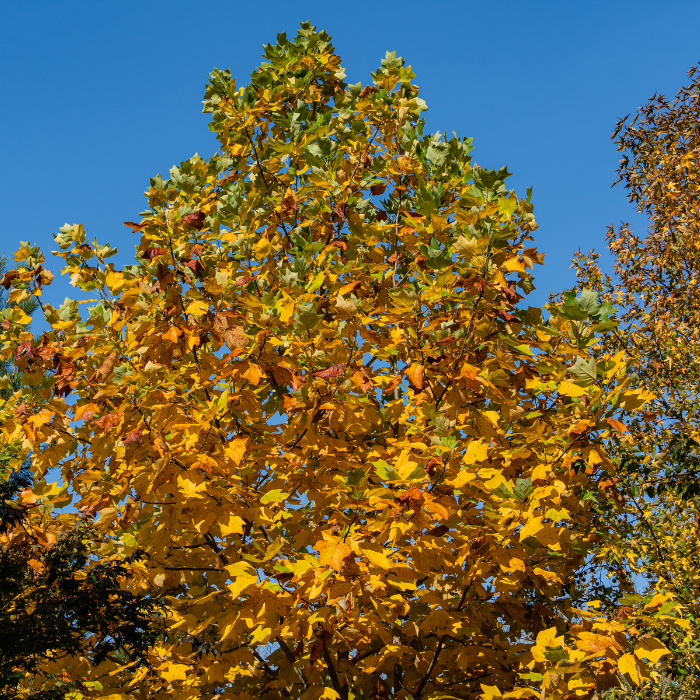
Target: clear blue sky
x=96, y=97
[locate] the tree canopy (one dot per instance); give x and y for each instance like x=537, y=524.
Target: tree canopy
x=653, y=528
x=356, y=464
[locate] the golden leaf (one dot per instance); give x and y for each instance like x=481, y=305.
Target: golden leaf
x=630, y=666
x=332, y=552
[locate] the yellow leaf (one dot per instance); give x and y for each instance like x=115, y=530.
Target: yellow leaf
x=197, y=307
x=191, y=483
x=172, y=334
x=462, y=478
x=285, y=307
x=375, y=554
x=332, y=552
x=657, y=600
x=231, y=525
x=514, y=264
x=629, y=665
x=492, y=416
x=174, y=672
x=594, y=643
x=235, y=449
x=477, y=451
x=650, y=648
x=532, y=528
x=242, y=575
x=320, y=692
x=114, y=280
x=569, y=389
x=490, y=691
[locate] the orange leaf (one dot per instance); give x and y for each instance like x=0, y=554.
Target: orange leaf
x=415, y=376
x=86, y=411
x=253, y=374
x=393, y=383
x=235, y=450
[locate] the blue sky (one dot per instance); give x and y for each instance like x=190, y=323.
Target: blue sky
x=96, y=97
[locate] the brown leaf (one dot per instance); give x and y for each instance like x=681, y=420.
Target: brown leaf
x=362, y=380
x=340, y=210
x=319, y=645
x=235, y=337
x=332, y=371
x=378, y=189
x=438, y=531
x=151, y=253
x=432, y=465
x=21, y=410
x=136, y=227
x=194, y=265
x=382, y=215
x=62, y=389
x=5, y=325
x=194, y=220
x=289, y=203
x=109, y=420
x=412, y=499
x=340, y=244
x=107, y=366
x=7, y=278
x=287, y=376
x=394, y=383
x=242, y=281
x=133, y=436
x=24, y=349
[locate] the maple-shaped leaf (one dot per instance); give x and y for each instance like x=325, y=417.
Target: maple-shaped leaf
x=109, y=420
x=333, y=552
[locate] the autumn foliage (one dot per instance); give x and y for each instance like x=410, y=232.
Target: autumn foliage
x=653, y=529
x=356, y=465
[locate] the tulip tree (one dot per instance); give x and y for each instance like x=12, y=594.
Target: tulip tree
x=356, y=466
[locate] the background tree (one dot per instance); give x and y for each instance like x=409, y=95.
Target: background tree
x=8, y=378
x=58, y=599
x=351, y=461
x=656, y=292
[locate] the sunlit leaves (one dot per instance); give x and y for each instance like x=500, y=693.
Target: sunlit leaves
x=351, y=456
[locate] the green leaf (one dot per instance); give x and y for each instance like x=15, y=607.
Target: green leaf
x=306, y=318
x=585, y=371
x=386, y=471
x=274, y=496
x=523, y=488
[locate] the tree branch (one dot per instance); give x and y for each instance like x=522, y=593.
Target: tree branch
x=290, y=658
